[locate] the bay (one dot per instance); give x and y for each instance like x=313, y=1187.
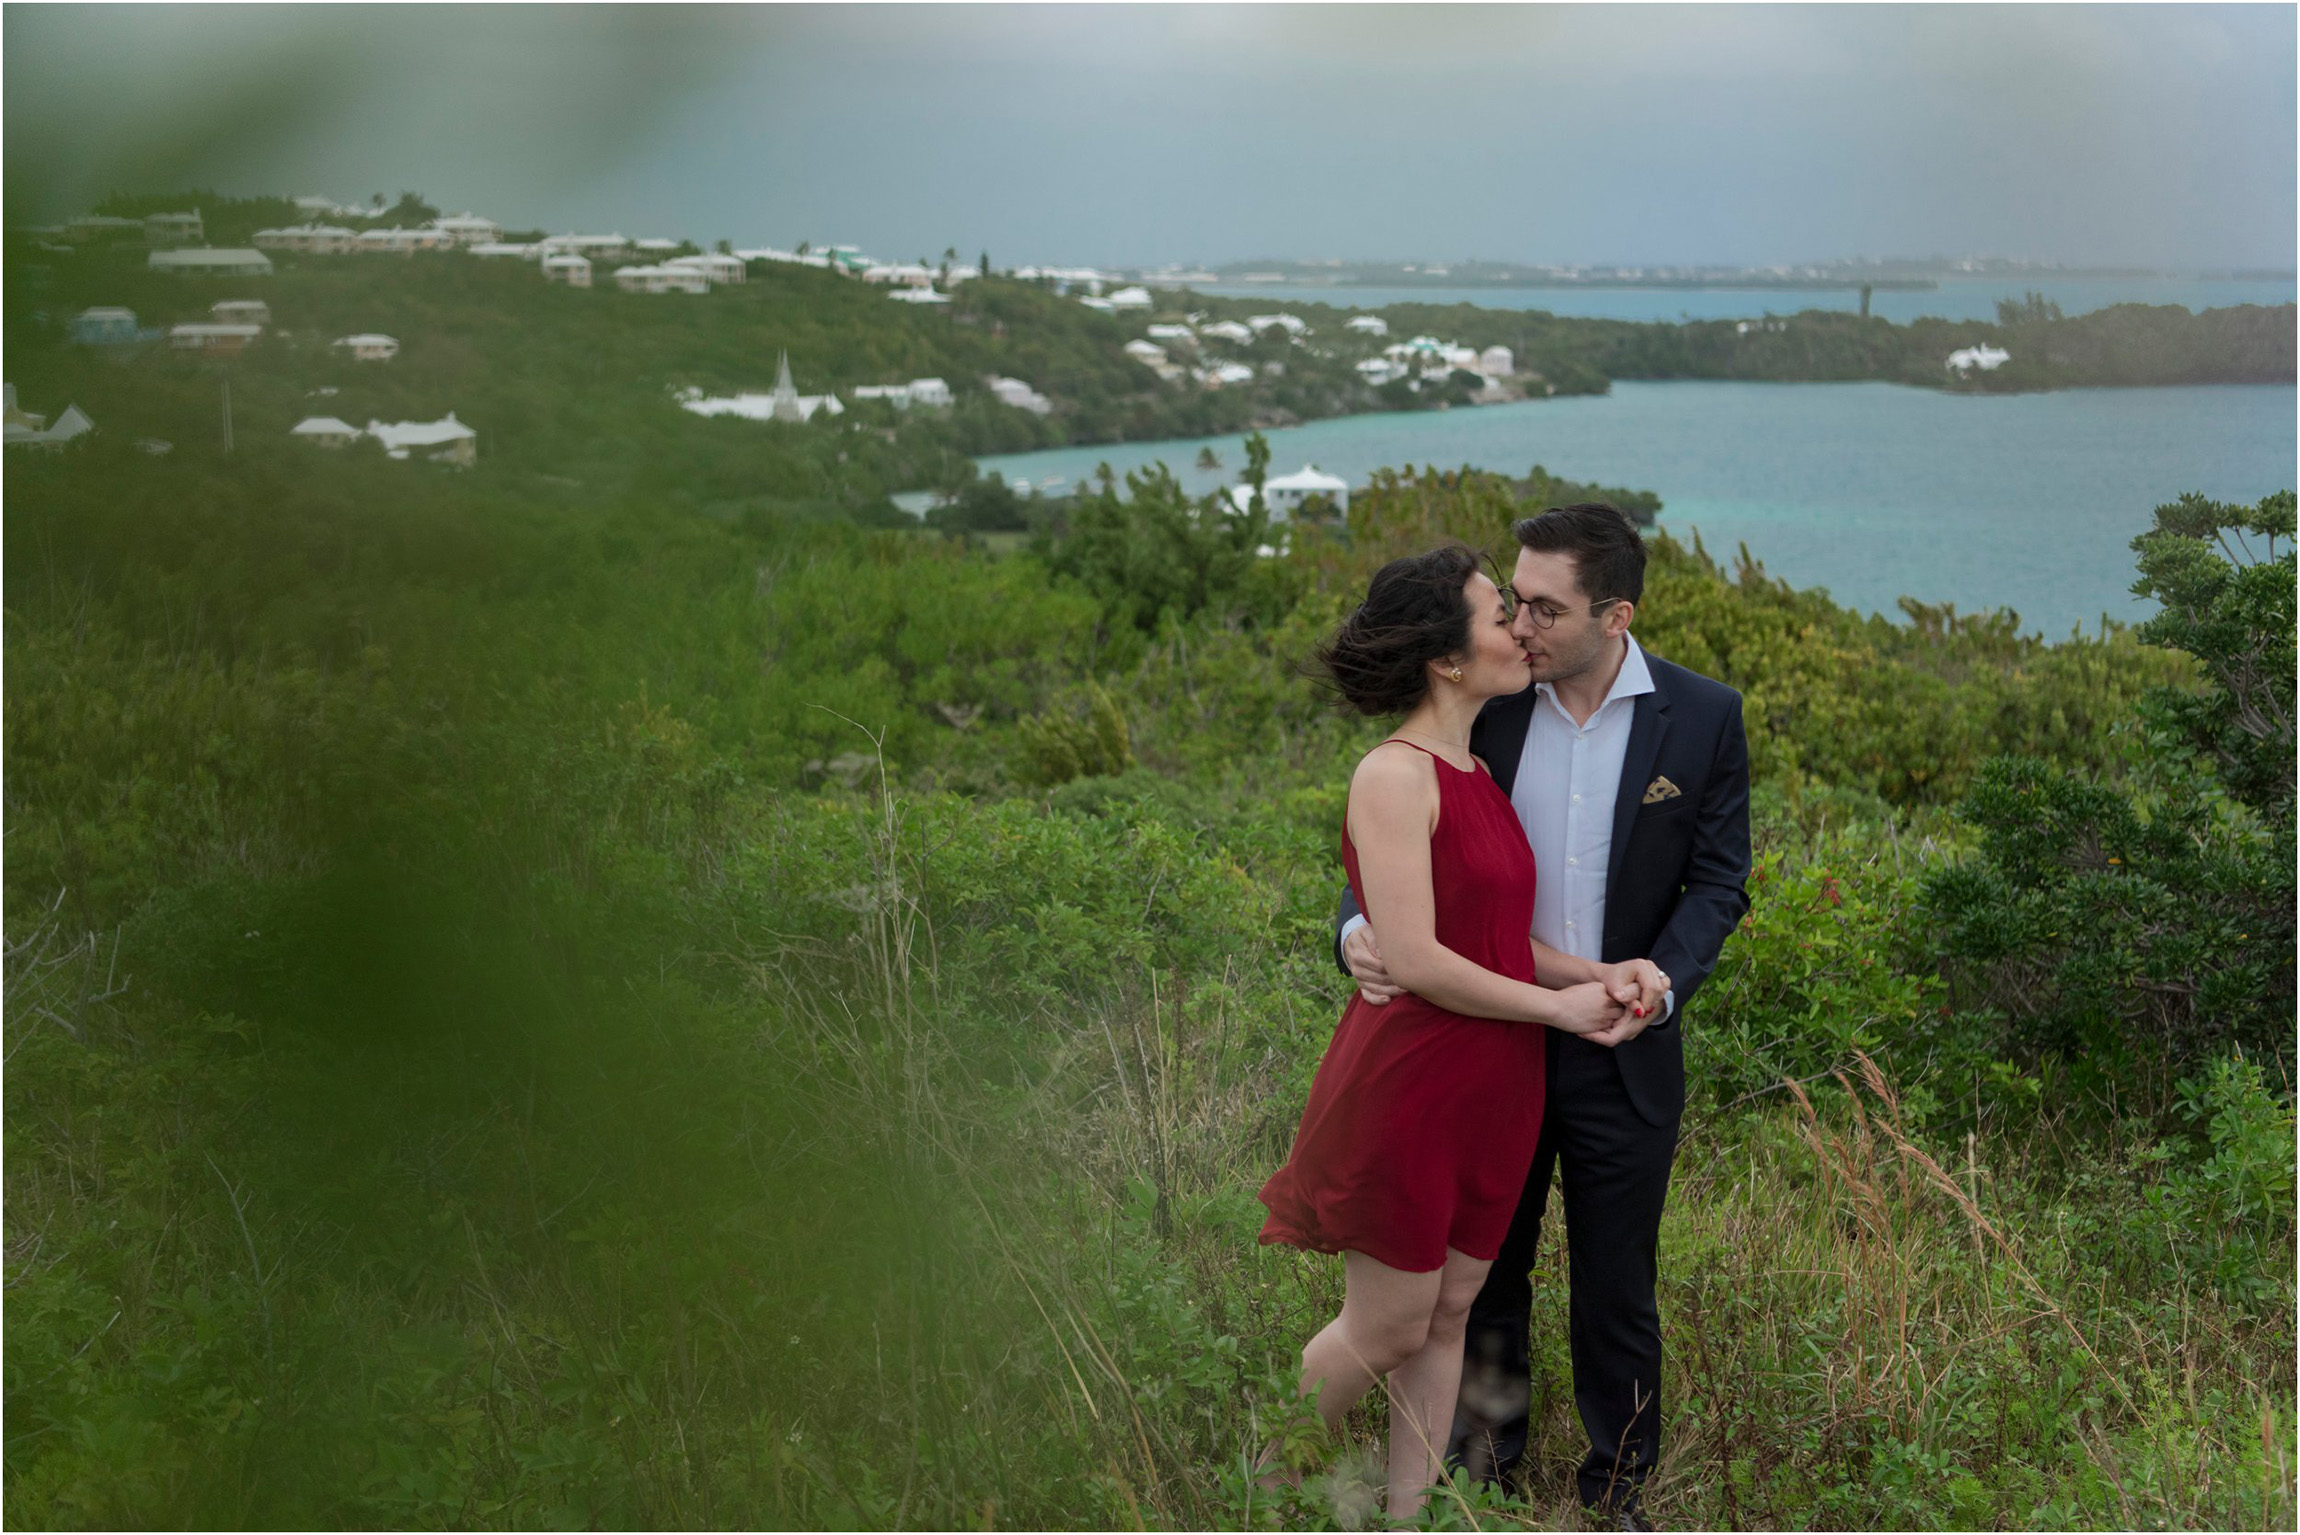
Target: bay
x=1873, y=491
x=1954, y=299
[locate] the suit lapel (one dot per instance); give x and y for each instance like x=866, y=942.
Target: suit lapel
x=1499, y=735
x=1647, y=726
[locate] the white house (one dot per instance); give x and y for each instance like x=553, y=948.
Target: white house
x=401, y=242
x=446, y=440
x=918, y=296
x=1102, y=304
x=909, y=273
x=588, y=245
x=716, y=268
x=1131, y=298
x=104, y=326
x=174, y=228
x=325, y=432
x=1014, y=392
x=312, y=239
x=1368, y=324
x=1497, y=362
x=1226, y=330
x=1285, y=493
x=213, y=338
x=468, y=229
x=1147, y=352
x=566, y=267
x=919, y=391
x=370, y=347
x=1378, y=371
x=230, y=262
x=23, y=428
x=88, y=226
x=661, y=279
x=1222, y=375
x=241, y=311
x=656, y=247
x=529, y=251
x=788, y=258
x=1291, y=324
x=1181, y=334
x=1984, y=357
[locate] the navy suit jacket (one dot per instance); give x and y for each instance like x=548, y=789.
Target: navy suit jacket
x=1678, y=880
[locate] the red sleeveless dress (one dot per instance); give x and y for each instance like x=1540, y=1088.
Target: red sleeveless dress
x=1421, y=1122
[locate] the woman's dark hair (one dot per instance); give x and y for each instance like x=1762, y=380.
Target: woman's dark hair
x=1608, y=556
x=1413, y=614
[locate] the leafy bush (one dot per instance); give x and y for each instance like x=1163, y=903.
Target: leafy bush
x=2095, y=915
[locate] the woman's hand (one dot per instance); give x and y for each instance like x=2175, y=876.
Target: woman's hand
x=1586, y=1009
x=1638, y=985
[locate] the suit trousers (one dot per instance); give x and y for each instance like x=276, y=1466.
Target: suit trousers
x=1615, y=1167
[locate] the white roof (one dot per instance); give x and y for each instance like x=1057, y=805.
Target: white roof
x=419, y=434
x=1307, y=479
x=369, y=339
x=567, y=258
x=210, y=328
x=222, y=256
x=918, y=296
x=105, y=313
x=1983, y=357
x=464, y=221
x=323, y=426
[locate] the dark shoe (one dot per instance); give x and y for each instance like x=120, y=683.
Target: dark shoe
x=1627, y=1513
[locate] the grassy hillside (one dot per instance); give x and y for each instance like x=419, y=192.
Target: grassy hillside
x=531, y=1006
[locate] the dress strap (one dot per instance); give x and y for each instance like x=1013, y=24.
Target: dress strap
x=1425, y=751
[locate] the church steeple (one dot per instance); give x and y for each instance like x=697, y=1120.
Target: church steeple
x=786, y=407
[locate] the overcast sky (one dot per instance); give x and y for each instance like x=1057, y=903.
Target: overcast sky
x=2151, y=135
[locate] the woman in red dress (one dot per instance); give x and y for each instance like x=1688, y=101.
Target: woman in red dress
x=1421, y=1122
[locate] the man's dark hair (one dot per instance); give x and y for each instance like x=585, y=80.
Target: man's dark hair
x=1608, y=556
x=1413, y=614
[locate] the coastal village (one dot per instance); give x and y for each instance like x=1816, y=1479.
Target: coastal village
x=1181, y=348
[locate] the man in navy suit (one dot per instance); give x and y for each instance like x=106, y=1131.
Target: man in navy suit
x=1631, y=776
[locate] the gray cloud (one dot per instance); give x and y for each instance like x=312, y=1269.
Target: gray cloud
x=2161, y=135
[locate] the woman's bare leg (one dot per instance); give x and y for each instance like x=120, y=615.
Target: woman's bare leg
x=1423, y=1387
x=1384, y=1322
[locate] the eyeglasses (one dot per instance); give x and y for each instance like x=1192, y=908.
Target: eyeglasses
x=1543, y=615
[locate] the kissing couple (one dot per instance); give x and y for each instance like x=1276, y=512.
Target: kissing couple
x=1545, y=857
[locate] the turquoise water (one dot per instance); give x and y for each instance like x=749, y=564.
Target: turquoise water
x=1954, y=300
x=1870, y=490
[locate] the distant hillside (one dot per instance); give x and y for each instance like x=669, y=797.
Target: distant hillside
x=579, y=387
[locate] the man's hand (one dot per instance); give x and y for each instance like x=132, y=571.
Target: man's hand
x=1589, y=1011
x=1364, y=957
x=1638, y=985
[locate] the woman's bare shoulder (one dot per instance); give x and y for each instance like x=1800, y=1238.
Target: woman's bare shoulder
x=1392, y=770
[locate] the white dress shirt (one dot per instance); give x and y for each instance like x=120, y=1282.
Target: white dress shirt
x=1567, y=779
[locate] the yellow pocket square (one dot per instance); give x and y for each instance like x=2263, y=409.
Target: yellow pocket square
x=1659, y=790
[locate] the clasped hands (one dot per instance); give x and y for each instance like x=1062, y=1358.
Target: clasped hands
x=1620, y=1004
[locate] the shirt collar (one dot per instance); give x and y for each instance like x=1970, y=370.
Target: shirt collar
x=1635, y=677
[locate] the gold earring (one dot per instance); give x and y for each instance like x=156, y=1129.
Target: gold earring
x=1457, y=674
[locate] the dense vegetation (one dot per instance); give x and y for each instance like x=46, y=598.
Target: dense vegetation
x=585, y=992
